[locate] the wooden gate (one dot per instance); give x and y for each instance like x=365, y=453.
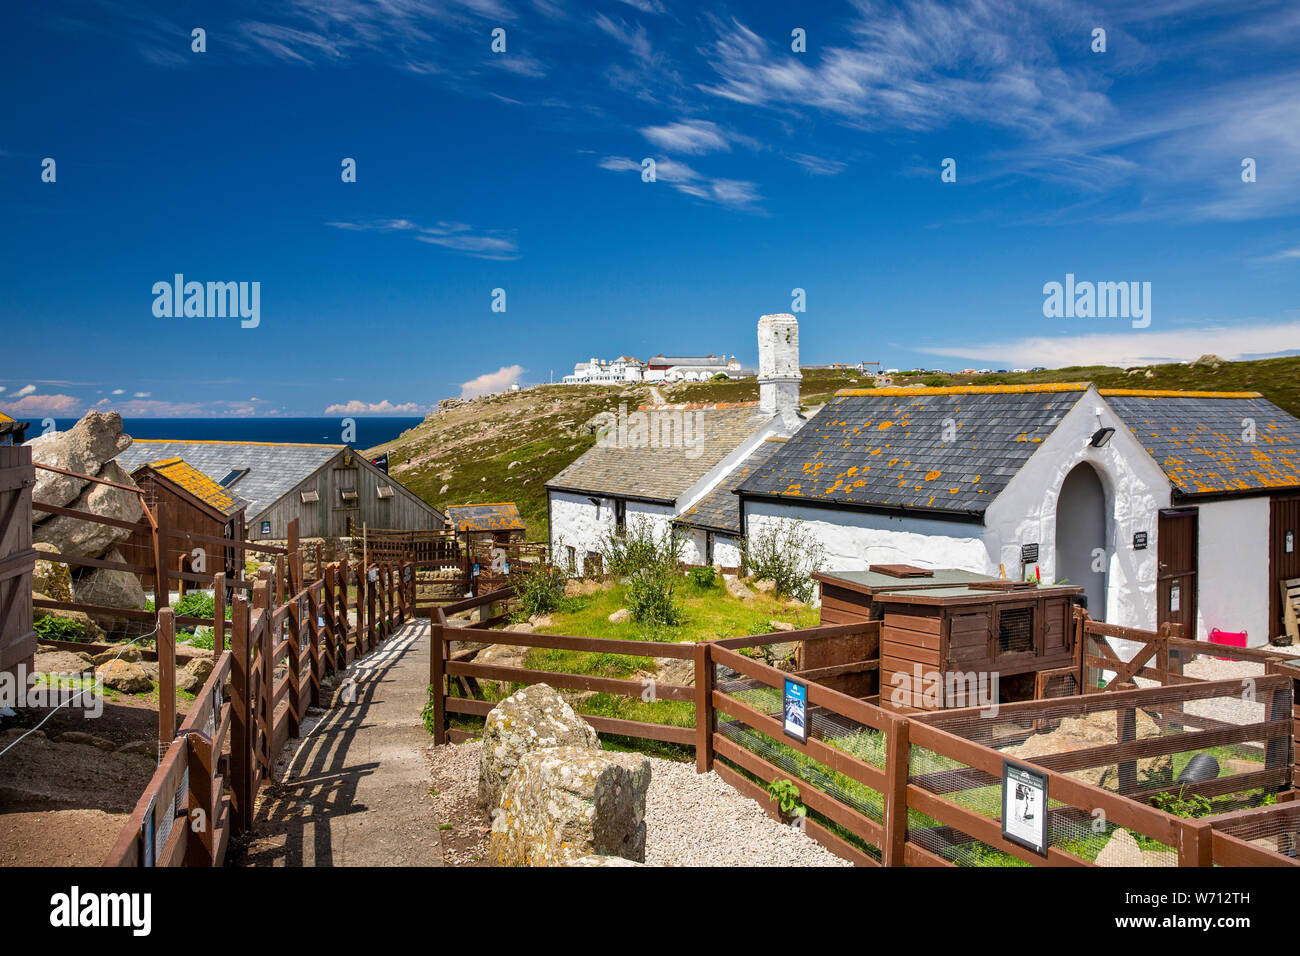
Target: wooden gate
x=17, y=639
x=1283, y=555
x=1176, y=578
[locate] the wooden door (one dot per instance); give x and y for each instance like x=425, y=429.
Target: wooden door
x=17, y=639
x=1283, y=555
x=1176, y=577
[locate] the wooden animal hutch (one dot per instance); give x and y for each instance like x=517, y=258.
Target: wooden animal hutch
x=1020, y=634
x=848, y=597
x=947, y=621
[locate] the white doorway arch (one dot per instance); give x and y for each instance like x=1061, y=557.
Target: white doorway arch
x=1081, y=536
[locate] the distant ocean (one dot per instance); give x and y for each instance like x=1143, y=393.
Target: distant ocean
x=328, y=431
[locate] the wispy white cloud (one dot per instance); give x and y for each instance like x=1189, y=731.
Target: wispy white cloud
x=1127, y=349
x=488, y=244
x=32, y=404
x=733, y=193
x=688, y=136
x=383, y=407
x=490, y=382
x=25, y=390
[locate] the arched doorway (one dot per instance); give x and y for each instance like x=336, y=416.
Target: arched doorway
x=1080, y=533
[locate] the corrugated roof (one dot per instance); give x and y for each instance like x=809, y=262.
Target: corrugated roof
x=662, y=473
x=498, y=516
x=719, y=510
x=181, y=473
x=936, y=449
x=274, y=468
x=1199, y=438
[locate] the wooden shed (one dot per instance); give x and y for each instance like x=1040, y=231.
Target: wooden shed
x=192, y=502
x=1015, y=632
x=496, y=523
x=848, y=597
x=333, y=490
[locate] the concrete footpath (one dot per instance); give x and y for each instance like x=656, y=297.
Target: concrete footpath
x=354, y=789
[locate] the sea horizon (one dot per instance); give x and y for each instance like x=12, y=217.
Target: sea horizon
x=368, y=431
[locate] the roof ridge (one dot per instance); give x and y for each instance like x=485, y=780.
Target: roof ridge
x=219, y=441
x=1174, y=393
x=905, y=390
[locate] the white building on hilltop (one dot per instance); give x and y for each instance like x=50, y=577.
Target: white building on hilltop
x=599, y=372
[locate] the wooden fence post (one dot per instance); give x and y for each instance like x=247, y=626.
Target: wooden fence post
x=241, y=743
x=264, y=706
x=293, y=662
x=316, y=657
x=218, y=614
x=438, y=682
x=704, y=715
x=295, y=559
x=1195, y=843
x=1126, y=732
x=199, y=848
x=165, y=642
x=372, y=627
x=898, y=757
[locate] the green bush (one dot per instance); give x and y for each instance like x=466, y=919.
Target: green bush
x=787, y=554
x=650, y=563
x=51, y=628
x=704, y=577
x=540, y=590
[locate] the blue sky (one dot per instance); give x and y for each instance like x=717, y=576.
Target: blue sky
x=521, y=170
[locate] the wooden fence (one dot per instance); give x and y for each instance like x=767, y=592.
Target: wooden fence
x=17, y=557
x=883, y=788
x=283, y=645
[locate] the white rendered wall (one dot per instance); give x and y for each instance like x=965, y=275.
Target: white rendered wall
x=577, y=523
x=1232, y=577
x=1136, y=489
x=726, y=551
x=854, y=539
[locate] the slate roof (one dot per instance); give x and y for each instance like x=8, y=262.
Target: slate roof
x=719, y=510
x=662, y=474
x=884, y=447
x=1197, y=438
x=500, y=516
x=274, y=467
x=181, y=473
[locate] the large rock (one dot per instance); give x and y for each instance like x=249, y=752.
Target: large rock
x=108, y=588
x=534, y=718
x=51, y=578
x=84, y=448
x=192, y=677
x=124, y=676
x=567, y=803
x=130, y=653
x=80, y=538
x=61, y=662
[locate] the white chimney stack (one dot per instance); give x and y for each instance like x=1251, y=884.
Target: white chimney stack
x=778, y=366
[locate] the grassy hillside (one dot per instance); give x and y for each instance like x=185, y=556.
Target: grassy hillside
x=463, y=455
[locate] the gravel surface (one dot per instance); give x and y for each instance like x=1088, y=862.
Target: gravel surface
x=1233, y=709
x=691, y=819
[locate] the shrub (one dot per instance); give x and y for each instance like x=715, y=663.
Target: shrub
x=540, y=589
x=786, y=796
x=51, y=628
x=787, y=554
x=652, y=597
x=650, y=564
x=704, y=577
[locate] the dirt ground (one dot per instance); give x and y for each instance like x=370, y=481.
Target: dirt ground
x=63, y=804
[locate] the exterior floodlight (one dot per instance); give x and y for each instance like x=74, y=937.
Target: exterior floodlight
x=1100, y=437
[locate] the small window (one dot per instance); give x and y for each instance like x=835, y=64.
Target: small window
x=1016, y=630
x=232, y=476
x=310, y=497
x=573, y=558
x=384, y=491
x=620, y=516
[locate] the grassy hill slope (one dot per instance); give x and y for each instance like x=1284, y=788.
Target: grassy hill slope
x=464, y=454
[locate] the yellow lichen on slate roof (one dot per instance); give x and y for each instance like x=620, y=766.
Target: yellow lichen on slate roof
x=184, y=475
x=904, y=390
x=1171, y=393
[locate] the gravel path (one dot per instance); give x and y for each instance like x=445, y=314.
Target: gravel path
x=691, y=819
x=1234, y=709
